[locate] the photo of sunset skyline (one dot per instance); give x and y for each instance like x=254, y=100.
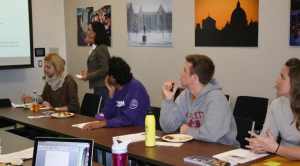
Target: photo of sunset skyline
x=226, y=22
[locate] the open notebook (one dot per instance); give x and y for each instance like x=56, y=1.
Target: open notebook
x=62, y=152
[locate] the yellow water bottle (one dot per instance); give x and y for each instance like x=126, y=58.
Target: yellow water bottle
x=150, y=131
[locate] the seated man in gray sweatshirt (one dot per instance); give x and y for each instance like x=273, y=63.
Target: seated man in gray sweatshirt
x=201, y=110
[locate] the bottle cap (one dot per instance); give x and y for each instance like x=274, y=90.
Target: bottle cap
x=119, y=148
x=150, y=111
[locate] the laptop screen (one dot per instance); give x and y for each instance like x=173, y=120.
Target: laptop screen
x=62, y=152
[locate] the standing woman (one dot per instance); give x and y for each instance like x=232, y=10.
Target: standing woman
x=60, y=91
x=97, y=60
x=283, y=117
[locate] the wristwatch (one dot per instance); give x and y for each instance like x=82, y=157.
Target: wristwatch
x=56, y=108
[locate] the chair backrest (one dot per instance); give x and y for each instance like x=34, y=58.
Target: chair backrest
x=156, y=112
x=90, y=104
x=228, y=98
x=4, y=123
x=5, y=103
x=177, y=93
x=254, y=108
x=243, y=126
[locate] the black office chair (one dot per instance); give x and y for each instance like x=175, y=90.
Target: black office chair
x=228, y=98
x=90, y=104
x=157, y=115
x=89, y=107
x=178, y=91
x=4, y=123
x=254, y=108
x=243, y=126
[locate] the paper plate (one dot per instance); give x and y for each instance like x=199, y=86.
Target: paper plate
x=177, y=137
x=10, y=159
x=29, y=105
x=62, y=115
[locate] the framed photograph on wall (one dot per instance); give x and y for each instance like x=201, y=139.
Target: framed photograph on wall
x=226, y=23
x=295, y=23
x=89, y=14
x=150, y=23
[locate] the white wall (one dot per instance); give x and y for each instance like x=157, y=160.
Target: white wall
x=241, y=71
x=48, y=31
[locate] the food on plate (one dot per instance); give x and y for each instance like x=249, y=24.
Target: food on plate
x=184, y=138
x=178, y=138
x=64, y=114
x=169, y=137
x=8, y=163
x=30, y=105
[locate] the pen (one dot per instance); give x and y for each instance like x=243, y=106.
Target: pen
x=172, y=87
x=252, y=129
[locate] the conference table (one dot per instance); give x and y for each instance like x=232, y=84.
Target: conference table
x=159, y=155
x=14, y=143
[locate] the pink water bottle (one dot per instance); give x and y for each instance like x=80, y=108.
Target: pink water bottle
x=119, y=153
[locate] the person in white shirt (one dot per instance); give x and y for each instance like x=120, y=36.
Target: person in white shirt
x=283, y=117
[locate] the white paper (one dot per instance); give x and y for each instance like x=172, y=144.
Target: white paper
x=57, y=158
x=17, y=105
x=80, y=125
x=38, y=116
x=239, y=155
x=41, y=108
x=24, y=154
x=133, y=137
x=79, y=76
x=159, y=143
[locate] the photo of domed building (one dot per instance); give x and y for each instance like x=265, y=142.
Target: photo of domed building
x=237, y=31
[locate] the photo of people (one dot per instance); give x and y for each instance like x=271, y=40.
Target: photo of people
x=227, y=23
x=295, y=23
x=89, y=14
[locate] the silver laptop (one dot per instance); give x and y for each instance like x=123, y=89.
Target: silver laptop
x=62, y=152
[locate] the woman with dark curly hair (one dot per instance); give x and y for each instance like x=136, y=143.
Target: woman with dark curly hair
x=97, y=60
x=127, y=98
x=283, y=117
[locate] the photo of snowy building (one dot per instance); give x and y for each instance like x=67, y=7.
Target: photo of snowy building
x=149, y=23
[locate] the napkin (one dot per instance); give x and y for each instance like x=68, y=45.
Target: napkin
x=133, y=137
x=38, y=116
x=23, y=154
x=17, y=105
x=159, y=143
x=79, y=76
x=238, y=156
x=80, y=125
x=42, y=108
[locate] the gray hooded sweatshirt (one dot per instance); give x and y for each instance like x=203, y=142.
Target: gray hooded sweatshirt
x=209, y=115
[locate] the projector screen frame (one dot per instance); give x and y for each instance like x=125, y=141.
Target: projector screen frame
x=31, y=65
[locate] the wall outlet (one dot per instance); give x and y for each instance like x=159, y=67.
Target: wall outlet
x=54, y=50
